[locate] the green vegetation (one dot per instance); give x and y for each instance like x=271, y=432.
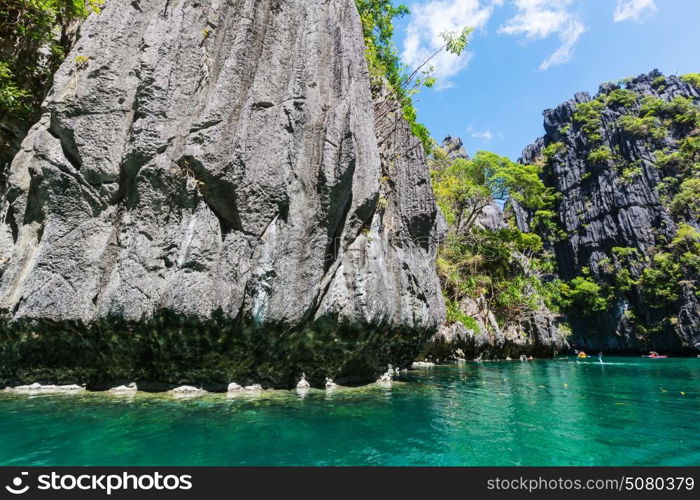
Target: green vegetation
x=656, y=274
x=552, y=150
x=622, y=97
x=658, y=82
x=660, y=281
x=624, y=253
x=455, y=315
x=687, y=200
x=680, y=110
x=629, y=173
x=377, y=18
x=35, y=40
x=692, y=78
x=13, y=100
x=588, y=116
x=647, y=126
x=686, y=247
x=496, y=264
x=583, y=294
x=465, y=187
x=602, y=154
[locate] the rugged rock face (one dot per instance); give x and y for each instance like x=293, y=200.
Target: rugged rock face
x=454, y=147
x=206, y=199
x=537, y=334
x=618, y=159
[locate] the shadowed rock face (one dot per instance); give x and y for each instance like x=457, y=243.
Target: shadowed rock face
x=620, y=203
x=206, y=199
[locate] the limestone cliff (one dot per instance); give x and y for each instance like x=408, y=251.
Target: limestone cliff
x=619, y=161
x=207, y=198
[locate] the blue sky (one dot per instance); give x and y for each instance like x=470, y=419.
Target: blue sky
x=529, y=55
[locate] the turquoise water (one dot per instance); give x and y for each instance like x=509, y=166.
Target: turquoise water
x=627, y=411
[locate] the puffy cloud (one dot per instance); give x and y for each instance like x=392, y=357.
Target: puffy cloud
x=432, y=18
x=633, y=10
x=539, y=19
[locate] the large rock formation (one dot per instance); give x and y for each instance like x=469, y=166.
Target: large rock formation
x=618, y=160
x=206, y=199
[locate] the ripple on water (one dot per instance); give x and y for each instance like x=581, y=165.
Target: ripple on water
x=557, y=412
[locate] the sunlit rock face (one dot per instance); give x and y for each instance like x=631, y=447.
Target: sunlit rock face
x=614, y=214
x=210, y=197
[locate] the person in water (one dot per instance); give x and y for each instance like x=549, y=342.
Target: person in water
x=581, y=354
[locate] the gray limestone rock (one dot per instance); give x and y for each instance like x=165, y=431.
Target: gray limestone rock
x=209, y=196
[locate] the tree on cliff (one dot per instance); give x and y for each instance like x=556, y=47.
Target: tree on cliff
x=377, y=17
x=491, y=262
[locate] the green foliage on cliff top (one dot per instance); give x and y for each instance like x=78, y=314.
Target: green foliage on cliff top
x=680, y=110
x=377, y=17
x=692, y=78
x=588, y=116
x=622, y=97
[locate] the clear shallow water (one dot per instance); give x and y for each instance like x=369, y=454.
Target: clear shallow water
x=627, y=411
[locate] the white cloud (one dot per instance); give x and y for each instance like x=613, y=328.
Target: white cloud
x=485, y=135
x=633, y=10
x=432, y=18
x=539, y=19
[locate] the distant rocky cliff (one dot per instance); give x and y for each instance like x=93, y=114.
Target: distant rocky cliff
x=207, y=198
x=625, y=165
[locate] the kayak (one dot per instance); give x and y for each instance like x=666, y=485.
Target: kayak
x=655, y=357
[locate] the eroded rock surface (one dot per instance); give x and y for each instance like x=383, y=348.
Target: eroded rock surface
x=614, y=215
x=206, y=198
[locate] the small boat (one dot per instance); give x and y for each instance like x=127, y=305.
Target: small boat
x=658, y=356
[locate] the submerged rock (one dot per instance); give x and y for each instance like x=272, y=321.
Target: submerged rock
x=209, y=197
x=422, y=364
x=303, y=384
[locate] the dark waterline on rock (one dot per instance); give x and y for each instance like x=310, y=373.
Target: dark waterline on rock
x=627, y=411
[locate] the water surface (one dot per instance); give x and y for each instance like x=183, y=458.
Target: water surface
x=627, y=411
